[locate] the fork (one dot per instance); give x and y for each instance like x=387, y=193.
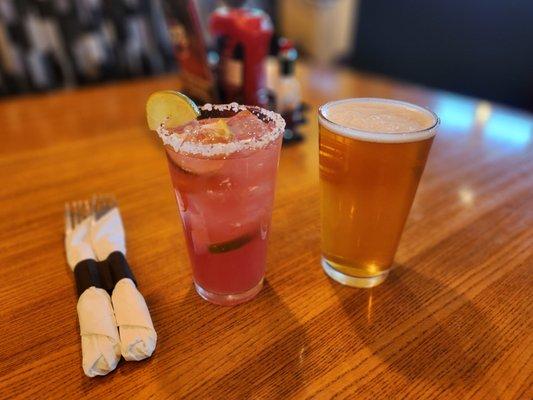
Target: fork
x=100, y=342
x=81, y=256
x=101, y=204
x=77, y=233
x=75, y=213
x=108, y=237
x=137, y=333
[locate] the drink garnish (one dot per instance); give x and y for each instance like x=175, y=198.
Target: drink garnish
x=220, y=130
x=230, y=245
x=170, y=108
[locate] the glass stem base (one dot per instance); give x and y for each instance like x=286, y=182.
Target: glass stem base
x=350, y=280
x=228, y=299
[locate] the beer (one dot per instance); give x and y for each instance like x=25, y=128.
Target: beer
x=372, y=154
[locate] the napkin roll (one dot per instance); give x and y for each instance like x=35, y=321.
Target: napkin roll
x=100, y=340
x=137, y=334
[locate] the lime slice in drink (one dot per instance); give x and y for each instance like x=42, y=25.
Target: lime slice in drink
x=230, y=245
x=171, y=108
x=217, y=132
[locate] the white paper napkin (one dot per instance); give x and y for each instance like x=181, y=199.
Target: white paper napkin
x=137, y=334
x=107, y=234
x=78, y=244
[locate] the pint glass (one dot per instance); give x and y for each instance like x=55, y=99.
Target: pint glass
x=372, y=155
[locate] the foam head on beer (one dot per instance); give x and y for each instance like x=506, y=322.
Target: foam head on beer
x=378, y=116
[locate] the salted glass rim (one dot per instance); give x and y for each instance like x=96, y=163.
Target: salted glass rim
x=179, y=145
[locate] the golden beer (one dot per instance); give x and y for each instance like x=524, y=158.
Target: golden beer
x=372, y=155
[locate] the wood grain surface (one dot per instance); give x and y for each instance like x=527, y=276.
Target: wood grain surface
x=452, y=321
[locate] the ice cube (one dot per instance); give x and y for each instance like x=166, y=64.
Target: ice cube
x=207, y=131
x=245, y=125
x=198, y=232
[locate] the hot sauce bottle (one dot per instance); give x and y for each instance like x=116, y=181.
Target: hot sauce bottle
x=243, y=36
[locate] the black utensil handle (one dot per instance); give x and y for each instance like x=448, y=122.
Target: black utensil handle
x=119, y=267
x=87, y=274
x=106, y=278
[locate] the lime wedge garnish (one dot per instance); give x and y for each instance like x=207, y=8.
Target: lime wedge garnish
x=171, y=108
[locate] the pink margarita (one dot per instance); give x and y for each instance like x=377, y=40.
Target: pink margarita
x=223, y=169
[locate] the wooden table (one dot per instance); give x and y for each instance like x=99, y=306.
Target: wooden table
x=452, y=321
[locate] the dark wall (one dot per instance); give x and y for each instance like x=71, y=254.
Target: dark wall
x=482, y=48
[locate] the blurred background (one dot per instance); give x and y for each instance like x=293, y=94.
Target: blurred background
x=481, y=48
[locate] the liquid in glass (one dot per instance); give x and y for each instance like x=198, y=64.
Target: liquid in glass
x=224, y=188
x=372, y=155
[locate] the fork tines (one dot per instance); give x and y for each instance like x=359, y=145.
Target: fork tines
x=75, y=213
x=102, y=203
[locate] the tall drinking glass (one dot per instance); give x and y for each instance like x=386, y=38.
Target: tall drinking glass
x=225, y=192
x=372, y=155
